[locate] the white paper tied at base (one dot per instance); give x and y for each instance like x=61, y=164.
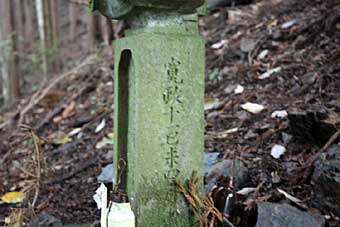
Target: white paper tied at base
x=121, y=215
x=99, y=195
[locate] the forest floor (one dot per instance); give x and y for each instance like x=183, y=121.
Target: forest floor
x=281, y=55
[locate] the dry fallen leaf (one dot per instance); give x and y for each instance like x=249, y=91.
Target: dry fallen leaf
x=245, y=191
x=100, y=126
x=68, y=110
x=13, y=197
x=288, y=196
x=74, y=131
x=59, y=138
x=57, y=119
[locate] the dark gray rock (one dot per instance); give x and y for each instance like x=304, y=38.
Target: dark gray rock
x=210, y=159
x=106, y=176
x=223, y=168
x=284, y=215
x=44, y=219
x=213, y=4
x=326, y=180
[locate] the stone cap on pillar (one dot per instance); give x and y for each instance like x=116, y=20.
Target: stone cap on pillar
x=118, y=9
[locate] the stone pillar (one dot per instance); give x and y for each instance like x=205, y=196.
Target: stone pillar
x=159, y=125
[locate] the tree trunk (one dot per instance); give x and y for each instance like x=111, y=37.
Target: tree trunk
x=42, y=34
x=19, y=24
x=29, y=27
x=73, y=20
x=109, y=32
x=10, y=79
x=94, y=29
x=54, y=35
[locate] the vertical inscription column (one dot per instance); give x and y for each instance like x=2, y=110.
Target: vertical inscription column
x=173, y=102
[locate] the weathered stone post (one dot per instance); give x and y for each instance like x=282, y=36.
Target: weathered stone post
x=159, y=89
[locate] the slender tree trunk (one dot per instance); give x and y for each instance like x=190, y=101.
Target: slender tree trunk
x=29, y=27
x=94, y=29
x=10, y=79
x=108, y=31
x=73, y=20
x=54, y=35
x=42, y=34
x=19, y=24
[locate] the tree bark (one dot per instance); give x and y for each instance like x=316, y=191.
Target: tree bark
x=73, y=20
x=19, y=24
x=42, y=34
x=109, y=32
x=29, y=27
x=54, y=35
x=9, y=58
x=94, y=29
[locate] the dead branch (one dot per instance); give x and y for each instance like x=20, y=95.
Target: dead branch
x=312, y=159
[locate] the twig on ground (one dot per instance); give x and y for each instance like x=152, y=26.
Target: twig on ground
x=306, y=169
x=333, y=138
x=37, y=165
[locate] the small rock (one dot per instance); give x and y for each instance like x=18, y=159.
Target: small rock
x=242, y=115
x=239, y=89
x=277, y=35
x=263, y=54
x=209, y=160
x=44, y=219
x=226, y=70
x=230, y=88
x=286, y=138
x=250, y=135
x=219, y=44
x=277, y=151
x=284, y=215
x=275, y=177
x=252, y=107
x=326, y=179
x=106, y=176
x=211, y=103
x=309, y=78
x=279, y=114
x=290, y=167
x=248, y=44
x=269, y=73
